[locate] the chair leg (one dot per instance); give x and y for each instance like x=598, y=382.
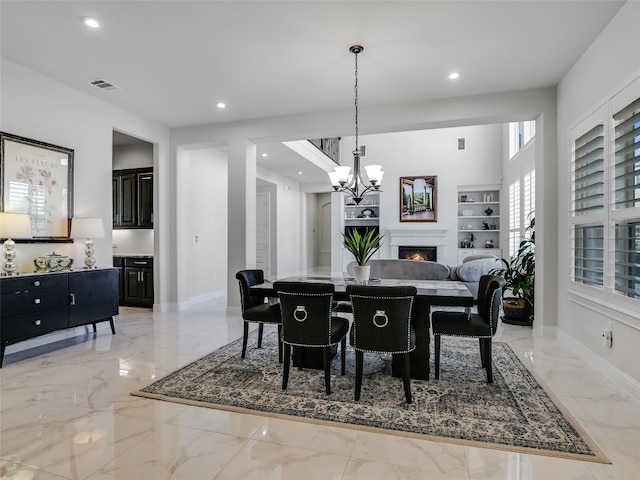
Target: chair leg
x=245, y=336
x=359, y=362
x=436, y=340
x=343, y=353
x=488, y=362
x=327, y=369
x=260, y=330
x=483, y=353
x=406, y=377
x=287, y=363
x=280, y=343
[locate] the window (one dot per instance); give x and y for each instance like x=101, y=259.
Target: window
x=522, y=203
x=519, y=135
x=587, y=206
x=625, y=184
x=605, y=201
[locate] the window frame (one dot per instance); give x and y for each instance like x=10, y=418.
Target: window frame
x=610, y=215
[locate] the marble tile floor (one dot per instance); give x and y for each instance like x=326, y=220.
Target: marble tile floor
x=66, y=413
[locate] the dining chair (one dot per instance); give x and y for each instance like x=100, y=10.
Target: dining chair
x=481, y=325
x=382, y=324
x=255, y=309
x=308, y=322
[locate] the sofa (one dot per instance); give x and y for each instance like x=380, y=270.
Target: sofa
x=468, y=272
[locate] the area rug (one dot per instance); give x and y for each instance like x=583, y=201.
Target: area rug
x=514, y=413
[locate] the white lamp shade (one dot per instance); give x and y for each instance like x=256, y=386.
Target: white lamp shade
x=82, y=227
x=15, y=225
x=335, y=178
x=374, y=172
x=343, y=173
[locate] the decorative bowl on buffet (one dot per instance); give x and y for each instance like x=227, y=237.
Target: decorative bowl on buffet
x=53, y=263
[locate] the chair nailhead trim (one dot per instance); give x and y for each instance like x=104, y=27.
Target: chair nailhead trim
x=371, y=297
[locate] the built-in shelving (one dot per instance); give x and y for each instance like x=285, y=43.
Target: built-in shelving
x=478, y=221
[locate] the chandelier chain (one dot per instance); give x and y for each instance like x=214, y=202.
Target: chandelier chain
x=355, y=88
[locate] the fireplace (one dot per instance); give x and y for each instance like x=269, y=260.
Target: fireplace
x=407, y=252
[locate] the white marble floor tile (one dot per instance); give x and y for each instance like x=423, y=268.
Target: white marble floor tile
x=173, y=452
x=437, y=458
x=308, y=435
x=270, y=461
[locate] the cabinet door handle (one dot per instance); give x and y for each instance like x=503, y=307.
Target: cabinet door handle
x=37, y=323
x=72, y=298
x=36, y=283
x=36, y=301
x=139, y=263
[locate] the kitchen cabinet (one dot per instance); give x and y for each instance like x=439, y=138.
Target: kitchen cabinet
x=136, y=281
x=132, y=198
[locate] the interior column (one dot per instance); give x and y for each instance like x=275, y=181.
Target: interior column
x=242, y=214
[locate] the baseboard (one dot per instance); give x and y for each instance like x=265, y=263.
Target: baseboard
x=621, y=379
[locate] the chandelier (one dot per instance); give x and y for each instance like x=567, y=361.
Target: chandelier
x=341, y=178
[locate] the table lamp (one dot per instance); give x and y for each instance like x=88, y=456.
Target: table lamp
x=13, y=225
x=88, y=228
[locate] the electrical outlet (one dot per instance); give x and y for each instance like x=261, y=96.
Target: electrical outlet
x=607, y=336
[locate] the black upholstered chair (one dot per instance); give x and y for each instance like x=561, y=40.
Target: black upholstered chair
x=307, y=322
x=382, y=324
x=482, y=325
x=255, y=310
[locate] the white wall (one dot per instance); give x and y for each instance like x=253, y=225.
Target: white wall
x=597, y=75
x=202, y=225
x=37, y=107
x=432, y=152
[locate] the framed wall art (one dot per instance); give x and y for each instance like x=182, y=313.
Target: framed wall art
x=419, y=199
x=36, y=178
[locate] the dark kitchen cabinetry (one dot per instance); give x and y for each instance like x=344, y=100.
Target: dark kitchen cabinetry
x=133, y=198
x=136, y=281
x=33, y=305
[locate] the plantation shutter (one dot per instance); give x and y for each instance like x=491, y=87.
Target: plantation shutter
x=588, y=172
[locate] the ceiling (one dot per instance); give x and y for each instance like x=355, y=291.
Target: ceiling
x=174, y=60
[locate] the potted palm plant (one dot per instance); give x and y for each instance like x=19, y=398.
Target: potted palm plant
x=519, y=273
x=362, y=247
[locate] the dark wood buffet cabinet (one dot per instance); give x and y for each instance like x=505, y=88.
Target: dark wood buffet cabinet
x=35, y=304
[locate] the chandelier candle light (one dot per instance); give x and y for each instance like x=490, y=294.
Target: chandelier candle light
x=341, y=178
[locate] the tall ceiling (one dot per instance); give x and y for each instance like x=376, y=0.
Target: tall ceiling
x=175, y=60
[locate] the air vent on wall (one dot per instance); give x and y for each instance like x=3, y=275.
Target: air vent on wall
x=461, y=143
x=104, y=85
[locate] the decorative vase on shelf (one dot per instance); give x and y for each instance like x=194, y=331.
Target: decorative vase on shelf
x=361, y=273
x=488, y=211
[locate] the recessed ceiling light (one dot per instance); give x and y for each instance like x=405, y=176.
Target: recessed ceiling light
x=265, y=155
x=91, y=22
x=221, y=105
x=299, y=173
x=454, y=75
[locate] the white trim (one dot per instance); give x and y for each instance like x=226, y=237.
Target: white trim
x=621, y=379
x=605, y=308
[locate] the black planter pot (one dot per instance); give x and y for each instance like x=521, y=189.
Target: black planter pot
x=517, y=311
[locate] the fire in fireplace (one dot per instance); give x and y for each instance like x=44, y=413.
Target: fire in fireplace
x=418, y=253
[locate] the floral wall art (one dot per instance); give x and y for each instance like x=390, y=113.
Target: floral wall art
x=37, y=179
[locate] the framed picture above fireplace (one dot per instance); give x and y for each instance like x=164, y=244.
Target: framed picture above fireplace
x=419, y=199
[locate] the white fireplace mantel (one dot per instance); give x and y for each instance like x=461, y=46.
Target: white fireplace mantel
x=418, y=238
x=431, y=237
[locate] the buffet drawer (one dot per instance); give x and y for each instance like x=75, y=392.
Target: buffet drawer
x=33, y=324
x=33, y=283
x=27, y=301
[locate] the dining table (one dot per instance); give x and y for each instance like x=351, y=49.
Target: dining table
x=430, y=293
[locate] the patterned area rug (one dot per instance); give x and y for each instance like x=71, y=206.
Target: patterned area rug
x=514, y=413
